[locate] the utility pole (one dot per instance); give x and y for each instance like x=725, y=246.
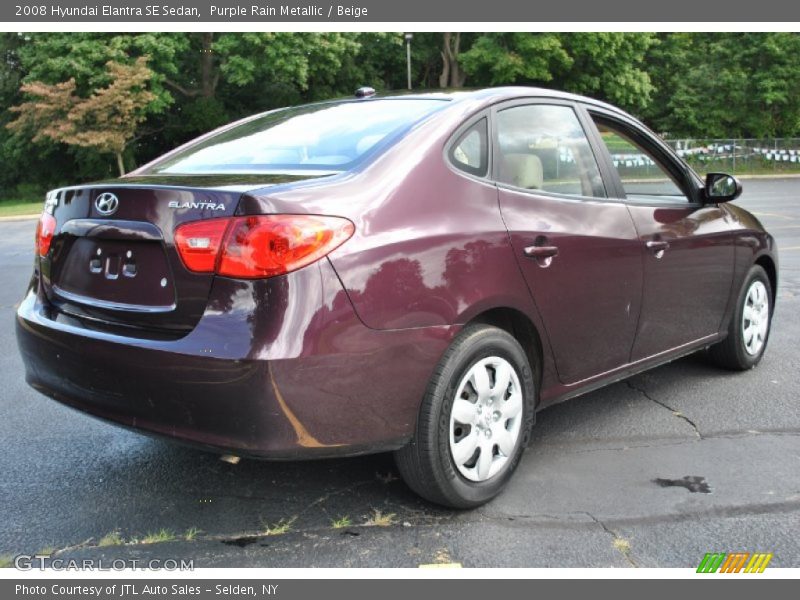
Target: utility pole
x=408, y=37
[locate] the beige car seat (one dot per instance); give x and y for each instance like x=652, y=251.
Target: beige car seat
x=522, y=170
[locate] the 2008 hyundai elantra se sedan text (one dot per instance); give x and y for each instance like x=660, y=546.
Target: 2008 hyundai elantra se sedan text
x=418, y=274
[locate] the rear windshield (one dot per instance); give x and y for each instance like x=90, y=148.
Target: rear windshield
x=325, y=138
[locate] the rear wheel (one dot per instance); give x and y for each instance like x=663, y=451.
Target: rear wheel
x=474, y=421
x=748, y=331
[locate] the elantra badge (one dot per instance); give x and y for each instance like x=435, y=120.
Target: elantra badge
x=197, y=205
x=106, y=203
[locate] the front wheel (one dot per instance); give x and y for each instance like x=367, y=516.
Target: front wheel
x=474, y=421
x=748, y=331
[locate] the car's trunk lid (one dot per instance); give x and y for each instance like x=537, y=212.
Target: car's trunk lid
x=113, y=260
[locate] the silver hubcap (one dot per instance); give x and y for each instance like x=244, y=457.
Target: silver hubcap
x=486, y=418
x=755, y=318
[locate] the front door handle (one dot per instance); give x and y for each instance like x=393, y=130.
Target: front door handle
x=658, y=247
x=541, y=251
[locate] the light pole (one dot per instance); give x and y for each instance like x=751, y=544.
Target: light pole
x=408, y=37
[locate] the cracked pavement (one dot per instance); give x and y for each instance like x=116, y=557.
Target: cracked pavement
x=631, y=383
x=605, y=482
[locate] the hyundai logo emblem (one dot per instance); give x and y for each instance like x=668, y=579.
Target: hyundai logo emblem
x=106, y=203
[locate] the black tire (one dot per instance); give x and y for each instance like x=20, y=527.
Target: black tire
x=731, y=353
x=426, y=463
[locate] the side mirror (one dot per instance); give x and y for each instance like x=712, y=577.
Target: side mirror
x=721, y=187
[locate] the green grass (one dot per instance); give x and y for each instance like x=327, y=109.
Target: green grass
x=615, y=142
x=341, y=522
x=752, y=169
x=13, y=208
x=279, y=528
x=163, y=535
x=379, y=519
x=6, y=561
x=191, y=533
x=111, y=539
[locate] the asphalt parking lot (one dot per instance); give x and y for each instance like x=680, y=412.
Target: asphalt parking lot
x=725, y=447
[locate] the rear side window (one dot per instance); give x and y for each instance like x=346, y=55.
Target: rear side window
x=470, y=152
x=544, y=147
x=328, y=138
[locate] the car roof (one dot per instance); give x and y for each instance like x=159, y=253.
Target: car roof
x=490, y=96
x=484, y=97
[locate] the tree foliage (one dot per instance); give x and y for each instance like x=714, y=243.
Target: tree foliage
x=688, y=84
x=726, y=85
x=507, y=58
x=610, y=66
x=106, y=120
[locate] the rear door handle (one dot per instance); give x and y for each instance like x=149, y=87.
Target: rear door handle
x=658, y=247
x=541, y=251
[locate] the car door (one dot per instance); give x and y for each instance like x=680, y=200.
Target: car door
x=688, y=247
x=578, y=251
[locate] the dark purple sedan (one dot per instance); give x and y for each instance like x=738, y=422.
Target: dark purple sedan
x=418, y=274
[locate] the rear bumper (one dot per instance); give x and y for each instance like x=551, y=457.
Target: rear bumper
x=257, y=378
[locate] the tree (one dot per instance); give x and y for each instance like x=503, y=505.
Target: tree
x=83, y=56
x=691, y=84
x=507, y=58
x=452, y=76
x=610, y=66
x=13, y=160
x=206, y=85
x=106, y=121
x=726, y=85
x=56, y=57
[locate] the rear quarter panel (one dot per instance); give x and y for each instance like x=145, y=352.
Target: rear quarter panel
x=430, y=247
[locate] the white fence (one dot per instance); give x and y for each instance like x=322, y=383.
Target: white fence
x=740, y=155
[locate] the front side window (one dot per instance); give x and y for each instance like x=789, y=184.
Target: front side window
x=544, y=147
x=326, y=137
x=643, y=177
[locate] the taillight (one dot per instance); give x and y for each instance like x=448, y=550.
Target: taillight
x=44, y=233
x=259, y=246
x=199, y=243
